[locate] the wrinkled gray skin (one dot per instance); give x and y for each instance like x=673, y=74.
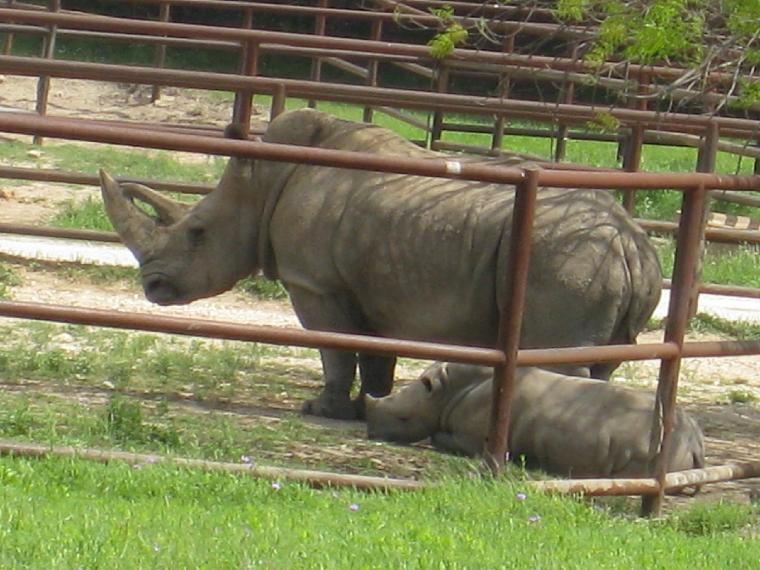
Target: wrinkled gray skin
x=392, y=255
x=563, y=424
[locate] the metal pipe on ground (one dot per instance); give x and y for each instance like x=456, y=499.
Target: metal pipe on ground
x=314, y=478
x=320, y=479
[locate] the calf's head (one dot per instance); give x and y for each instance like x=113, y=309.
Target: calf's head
x=187, y=253
x=410, y=414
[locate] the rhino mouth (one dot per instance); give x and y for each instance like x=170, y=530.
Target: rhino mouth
x=160, y=290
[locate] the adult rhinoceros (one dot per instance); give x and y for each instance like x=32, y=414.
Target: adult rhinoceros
x=392, y=255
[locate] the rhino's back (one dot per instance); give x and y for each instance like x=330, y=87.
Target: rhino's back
x=594, y=428
x=426, y=258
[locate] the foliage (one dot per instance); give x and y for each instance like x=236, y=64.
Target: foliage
x=452, y=34
x=698, y=35
x=8, y=279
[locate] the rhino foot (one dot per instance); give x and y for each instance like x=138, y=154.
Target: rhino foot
x=329, y=406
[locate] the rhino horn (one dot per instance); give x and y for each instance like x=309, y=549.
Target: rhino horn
x=134, y=226
x=169, y=211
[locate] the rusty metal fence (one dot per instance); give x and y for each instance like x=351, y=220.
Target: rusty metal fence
x=505, y=356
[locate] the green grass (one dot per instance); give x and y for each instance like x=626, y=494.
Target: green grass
x=8, y=279
x=262, y=288
x=736, y=266
x=65, y=513
x=739, y=330
x=100, y=387
x=122, y=161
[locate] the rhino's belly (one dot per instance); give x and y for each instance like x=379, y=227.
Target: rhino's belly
x=433, y=318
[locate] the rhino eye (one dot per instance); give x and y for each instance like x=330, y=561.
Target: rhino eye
x=197, y=236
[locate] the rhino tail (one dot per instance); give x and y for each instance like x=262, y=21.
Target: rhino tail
x=645, y=280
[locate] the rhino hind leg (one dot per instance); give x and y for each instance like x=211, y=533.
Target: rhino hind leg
x=376, y=373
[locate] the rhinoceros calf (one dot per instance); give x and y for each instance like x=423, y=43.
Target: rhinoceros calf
x=392, y=255
x=563, y=424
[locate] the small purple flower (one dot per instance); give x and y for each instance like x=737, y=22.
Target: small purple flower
x=353, y=507
x=534, y=519
x=246, y=459
x=521, y=496
x=276, y=486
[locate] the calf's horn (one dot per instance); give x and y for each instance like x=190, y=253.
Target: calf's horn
x=134, y=226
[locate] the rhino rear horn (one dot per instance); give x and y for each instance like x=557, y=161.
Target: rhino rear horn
x=169, y=211
x=134, y=226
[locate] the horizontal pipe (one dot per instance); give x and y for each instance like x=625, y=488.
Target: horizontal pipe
x=64, y=177
x=78, y=129
x=360, y=94
x=728, y=290
x=265, y=334
x=362, y=343
x=723, y=235
x=314, y=478
x=674, y=481
x=737, y=197
x=65, y=233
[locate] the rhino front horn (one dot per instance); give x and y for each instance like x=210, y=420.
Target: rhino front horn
x=135, y=227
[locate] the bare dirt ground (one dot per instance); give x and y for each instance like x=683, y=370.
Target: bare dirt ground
x=732, y=430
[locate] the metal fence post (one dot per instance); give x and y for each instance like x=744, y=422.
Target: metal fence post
x=320, y=25
x=43, y=83
x=8, y=41
x=567, y=94
x=706, y=160
x=510, y=321
x=689, y=235
x=160, y=58
x=505, y=85
x=634, y=142
x=442, y=86
x=242, y=107
x=372, y=68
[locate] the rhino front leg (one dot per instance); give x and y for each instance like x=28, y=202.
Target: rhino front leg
x=335, y=399
x=330, y=312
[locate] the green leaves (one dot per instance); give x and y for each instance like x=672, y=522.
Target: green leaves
x=453, y=34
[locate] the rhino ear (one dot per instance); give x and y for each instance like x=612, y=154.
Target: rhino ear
x=134, y=227
x=169, y=211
